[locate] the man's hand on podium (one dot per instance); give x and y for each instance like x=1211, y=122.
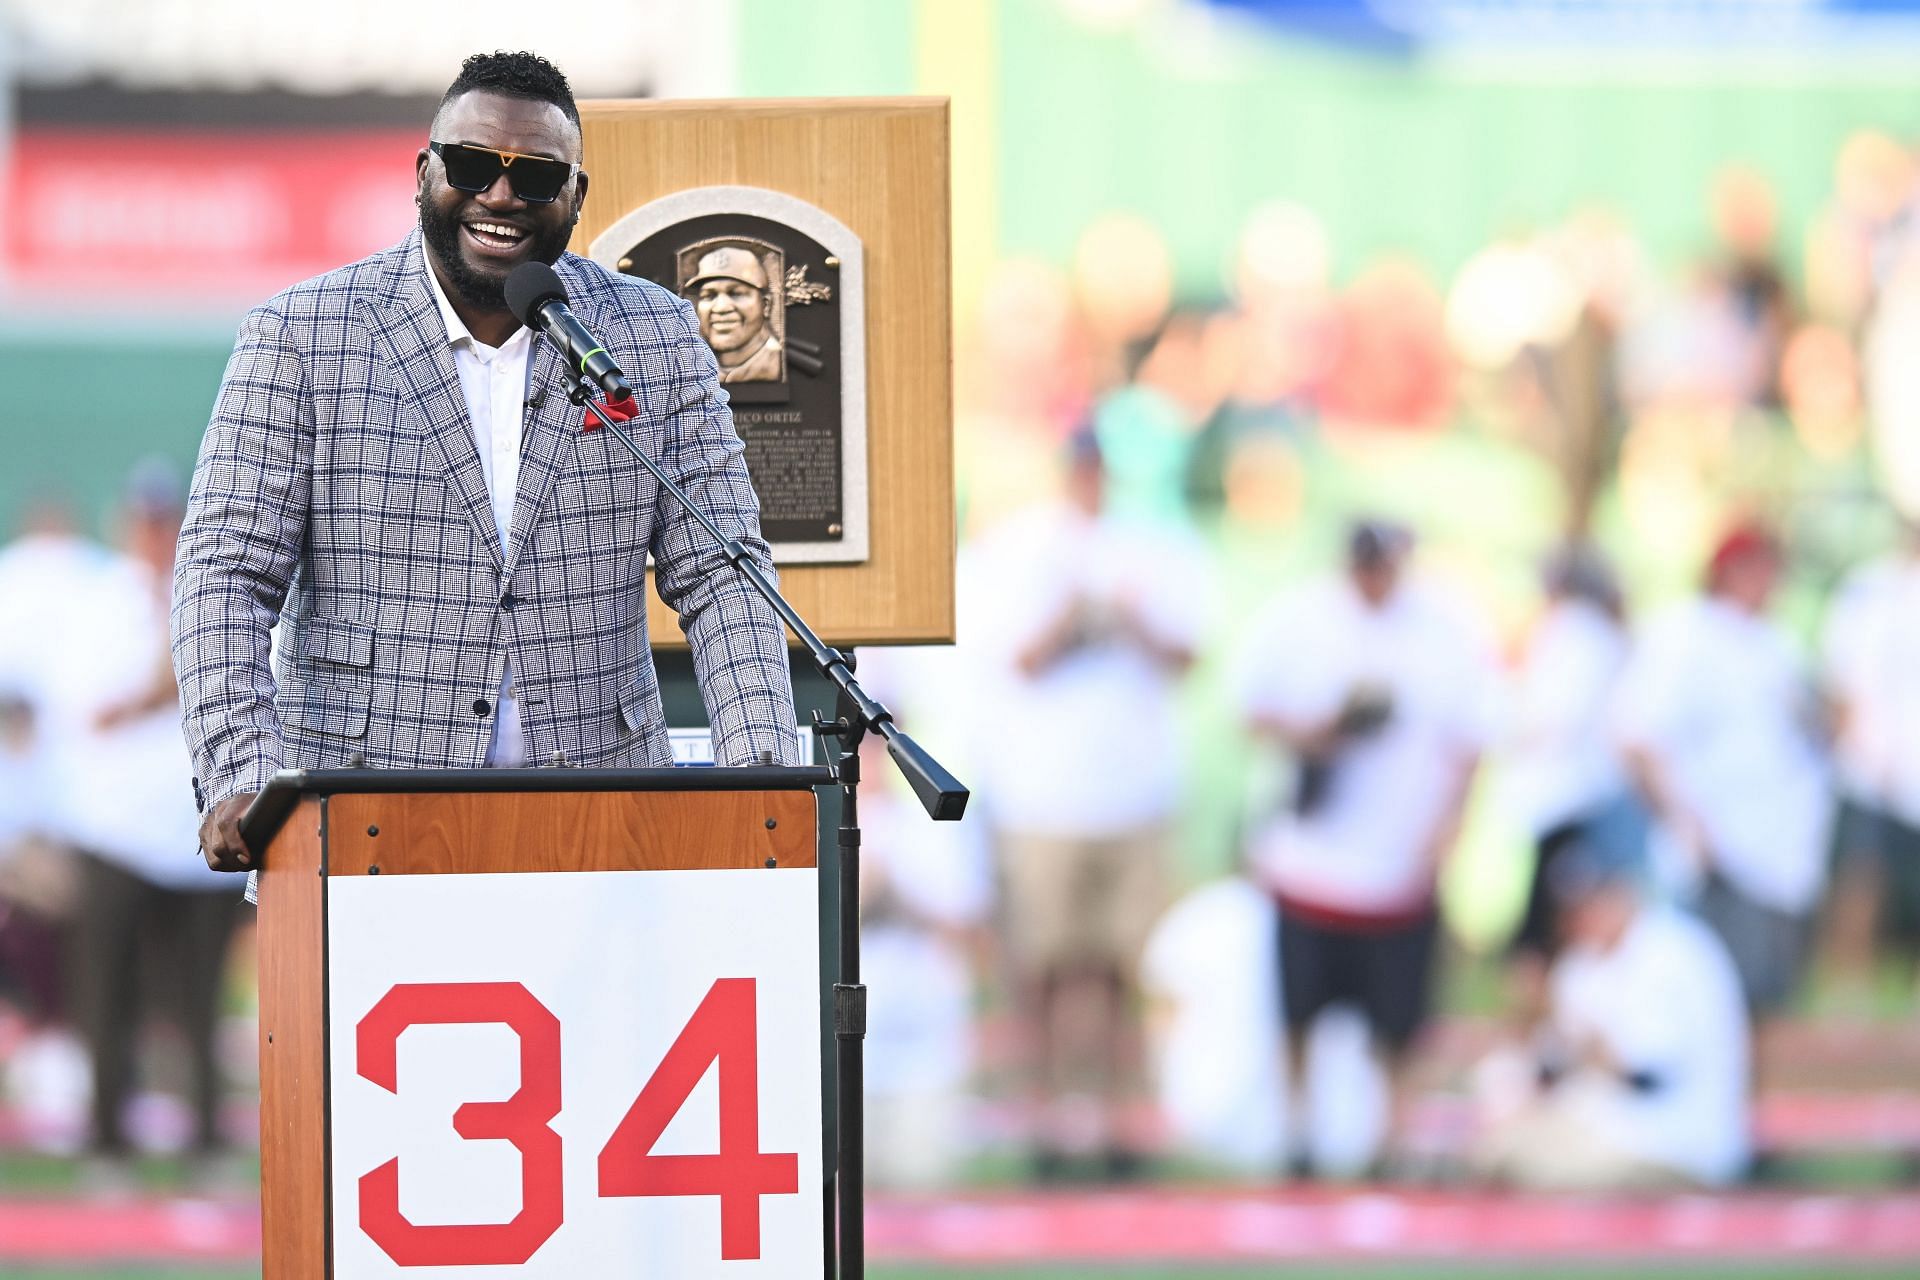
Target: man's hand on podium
x=220, y=842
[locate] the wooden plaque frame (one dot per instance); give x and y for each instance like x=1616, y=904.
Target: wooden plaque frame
x=879, y=165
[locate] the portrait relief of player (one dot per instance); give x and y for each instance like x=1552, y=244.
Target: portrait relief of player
x=734, y=285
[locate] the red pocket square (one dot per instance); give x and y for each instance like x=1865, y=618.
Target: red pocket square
x=620, y=411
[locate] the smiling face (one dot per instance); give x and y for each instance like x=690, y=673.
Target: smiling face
x=732, y=313
x=475, y=239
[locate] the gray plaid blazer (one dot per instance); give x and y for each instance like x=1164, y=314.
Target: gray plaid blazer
x=339, y=492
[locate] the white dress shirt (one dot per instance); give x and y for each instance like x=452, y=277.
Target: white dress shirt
x=493, y=381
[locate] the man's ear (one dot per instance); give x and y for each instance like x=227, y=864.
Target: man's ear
x=420, y=163
x=579, y=192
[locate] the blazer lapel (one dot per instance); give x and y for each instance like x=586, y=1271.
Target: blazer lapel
x=546, y=445
x=550, y=429
x=410, y=329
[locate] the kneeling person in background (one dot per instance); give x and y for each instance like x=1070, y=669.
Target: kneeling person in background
x=1638, y=1079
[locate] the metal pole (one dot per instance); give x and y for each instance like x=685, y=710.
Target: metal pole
x=850, y=1024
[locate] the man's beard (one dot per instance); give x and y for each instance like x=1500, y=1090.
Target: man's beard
x=477, y=288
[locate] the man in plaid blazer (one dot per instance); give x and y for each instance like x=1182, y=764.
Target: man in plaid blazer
x=449, y=595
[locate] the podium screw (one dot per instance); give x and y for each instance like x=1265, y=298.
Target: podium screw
x=373, y=831
x=772, y=823
x=773, y=862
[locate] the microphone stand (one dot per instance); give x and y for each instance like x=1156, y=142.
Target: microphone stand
x=942, y=795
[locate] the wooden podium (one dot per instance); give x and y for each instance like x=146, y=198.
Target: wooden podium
x=631, y=928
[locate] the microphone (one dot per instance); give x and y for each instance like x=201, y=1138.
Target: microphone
x=539, y=301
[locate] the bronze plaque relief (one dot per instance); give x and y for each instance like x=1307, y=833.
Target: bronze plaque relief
x=779, y=308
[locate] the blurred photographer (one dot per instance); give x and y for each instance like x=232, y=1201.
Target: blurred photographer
x=1379, y=690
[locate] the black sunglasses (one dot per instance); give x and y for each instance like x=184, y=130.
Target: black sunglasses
x=535, y=179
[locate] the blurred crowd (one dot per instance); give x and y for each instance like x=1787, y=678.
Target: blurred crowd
x=1325, y=638
x=1317, y=638
x=107, y=913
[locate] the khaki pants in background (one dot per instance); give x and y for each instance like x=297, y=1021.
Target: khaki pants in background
x=1074, y=901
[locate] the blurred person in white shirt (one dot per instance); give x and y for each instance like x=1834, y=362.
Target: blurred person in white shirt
x=36, y=881
x=1563, y=776
x=1871, y=651
x=46, y=664
x=1381, y=689
x=43, y=1070
x=153, y=923
x=1637, y=1081
x=1723, y=733
x=1208, y=971
x=1099, y=619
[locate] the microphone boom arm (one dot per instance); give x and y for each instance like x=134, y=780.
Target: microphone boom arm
x=942, y=795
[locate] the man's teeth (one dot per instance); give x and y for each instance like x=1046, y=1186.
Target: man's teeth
x=497, y=229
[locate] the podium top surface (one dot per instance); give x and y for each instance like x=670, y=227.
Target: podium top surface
x=270, y=808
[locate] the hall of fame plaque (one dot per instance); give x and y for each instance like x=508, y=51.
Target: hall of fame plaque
x=777, y=286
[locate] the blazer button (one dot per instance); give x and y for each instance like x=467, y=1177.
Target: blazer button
x=481, y=706
x=509, y=600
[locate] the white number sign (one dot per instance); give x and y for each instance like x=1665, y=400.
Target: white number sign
x=575, y=1074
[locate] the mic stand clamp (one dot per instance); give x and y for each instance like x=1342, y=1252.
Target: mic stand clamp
x=856, y=715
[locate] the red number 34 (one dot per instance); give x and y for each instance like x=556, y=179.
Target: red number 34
x=722, y=1029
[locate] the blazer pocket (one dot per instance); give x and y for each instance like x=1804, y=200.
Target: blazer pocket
x=340, y=713
x=339, y=640
x=636, y=709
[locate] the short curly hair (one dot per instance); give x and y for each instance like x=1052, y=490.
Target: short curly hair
x=518, y=75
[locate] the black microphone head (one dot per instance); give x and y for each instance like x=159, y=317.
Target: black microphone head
x=528, y=286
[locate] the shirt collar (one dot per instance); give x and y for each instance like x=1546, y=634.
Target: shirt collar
x=457, y=331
